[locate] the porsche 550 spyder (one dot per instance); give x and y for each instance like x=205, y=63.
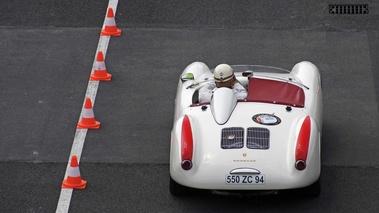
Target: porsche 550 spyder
x=269, y=142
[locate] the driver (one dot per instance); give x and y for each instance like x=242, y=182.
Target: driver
x=224, y=77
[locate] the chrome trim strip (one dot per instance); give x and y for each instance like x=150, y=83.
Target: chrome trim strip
x=245, y=171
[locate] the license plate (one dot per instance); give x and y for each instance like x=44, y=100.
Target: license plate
x=245, y=179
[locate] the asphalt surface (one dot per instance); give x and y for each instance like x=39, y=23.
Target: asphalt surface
x=48, y=48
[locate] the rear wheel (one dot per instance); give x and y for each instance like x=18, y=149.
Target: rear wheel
x=177, y=189
x=313, y=190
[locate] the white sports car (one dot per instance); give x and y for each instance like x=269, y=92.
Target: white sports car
x=269, y=142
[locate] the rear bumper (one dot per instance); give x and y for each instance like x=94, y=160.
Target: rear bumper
x=213, y=179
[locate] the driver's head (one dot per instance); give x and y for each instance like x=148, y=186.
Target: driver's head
x=224, y=76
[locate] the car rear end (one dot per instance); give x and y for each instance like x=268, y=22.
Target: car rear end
x=244, y=154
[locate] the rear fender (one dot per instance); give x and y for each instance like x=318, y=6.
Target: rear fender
x=307, y=145
x=309, y=75
x=182, y=141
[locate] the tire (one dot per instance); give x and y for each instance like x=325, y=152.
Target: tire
x=177, y=189
x=313, y=190
x=310, y=191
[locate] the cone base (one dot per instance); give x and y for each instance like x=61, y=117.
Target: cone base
x=108, y=77
x=96, y=125
x=107, y=33
x=67, y=185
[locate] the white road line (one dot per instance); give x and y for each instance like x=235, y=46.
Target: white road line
x=80, y=134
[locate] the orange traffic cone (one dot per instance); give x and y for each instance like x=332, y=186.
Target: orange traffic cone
x=110, y=28
x=88, y=118
x=100, y=73
x=74, y=180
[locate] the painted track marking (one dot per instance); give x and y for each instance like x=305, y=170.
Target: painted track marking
x=80, y=134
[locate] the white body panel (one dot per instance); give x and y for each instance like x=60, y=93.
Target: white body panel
x=211, y=163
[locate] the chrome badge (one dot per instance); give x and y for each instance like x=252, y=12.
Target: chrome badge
x=230, y=137
x=266, y=119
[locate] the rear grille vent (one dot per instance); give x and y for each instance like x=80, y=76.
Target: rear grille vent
x=258, y=138
x=348, y=9
x=232, y=138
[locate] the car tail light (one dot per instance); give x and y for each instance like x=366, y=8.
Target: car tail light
x=302, y=144
x=186, y=164
x=187, y=144
x=300, y=165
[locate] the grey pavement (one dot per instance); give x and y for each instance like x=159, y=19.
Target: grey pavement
x=47, y=57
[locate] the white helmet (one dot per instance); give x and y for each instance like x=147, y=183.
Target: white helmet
x=223, y=72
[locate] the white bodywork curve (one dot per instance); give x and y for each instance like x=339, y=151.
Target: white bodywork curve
x=265, y=139
x=222, y=104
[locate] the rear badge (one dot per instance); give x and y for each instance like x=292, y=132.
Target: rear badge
x=230, y=137
x=266, y=119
